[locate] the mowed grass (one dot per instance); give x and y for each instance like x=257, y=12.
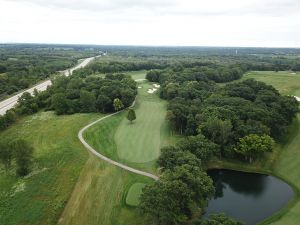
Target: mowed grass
x=140, y=141
x=288, y=167
x=134, y=193
x=137, y=144
x=285, y=81
x=140, y=74
x=100, y=197
x=284, y=162
x=106, y=194
x=59, y=158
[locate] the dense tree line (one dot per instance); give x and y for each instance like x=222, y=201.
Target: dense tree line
x=184, y=187
x=217, y=219
x=24, y=65
x=226, y=114
x=176, y=195
x=74, y=94
x=237, y=120
x=213, y=72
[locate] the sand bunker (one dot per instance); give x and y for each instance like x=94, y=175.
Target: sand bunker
x=297, y=98
x=152, y=90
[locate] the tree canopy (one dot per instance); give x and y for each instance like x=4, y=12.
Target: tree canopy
x=253, y=146
x=131, y=115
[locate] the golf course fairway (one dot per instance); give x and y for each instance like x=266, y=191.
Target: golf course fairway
x=105, y=194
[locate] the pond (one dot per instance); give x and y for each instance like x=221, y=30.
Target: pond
x=248, y=197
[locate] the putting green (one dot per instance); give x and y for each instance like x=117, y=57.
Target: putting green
x=140, y=141
x=134, y=193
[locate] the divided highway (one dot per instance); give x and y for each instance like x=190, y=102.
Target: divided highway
x=12, y=101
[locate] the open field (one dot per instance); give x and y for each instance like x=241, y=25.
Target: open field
x=284, y=162
x=59, y=158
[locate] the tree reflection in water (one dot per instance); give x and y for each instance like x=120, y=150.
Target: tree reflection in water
x=244, y=183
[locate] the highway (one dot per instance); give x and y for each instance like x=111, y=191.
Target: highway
x=12, y=101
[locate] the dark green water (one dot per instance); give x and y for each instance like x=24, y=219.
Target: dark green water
x=248, y=197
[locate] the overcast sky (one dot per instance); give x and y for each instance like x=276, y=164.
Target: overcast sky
x=263, y=23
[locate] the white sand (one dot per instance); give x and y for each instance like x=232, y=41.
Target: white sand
x=151, y=90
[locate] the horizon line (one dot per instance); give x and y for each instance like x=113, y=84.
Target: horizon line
x=145, y=45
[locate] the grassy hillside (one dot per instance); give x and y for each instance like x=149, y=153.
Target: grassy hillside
x=59, y=158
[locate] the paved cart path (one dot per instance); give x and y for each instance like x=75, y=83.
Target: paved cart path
x=97, y=154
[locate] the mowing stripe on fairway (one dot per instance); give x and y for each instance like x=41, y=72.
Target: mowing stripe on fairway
x=94, y=152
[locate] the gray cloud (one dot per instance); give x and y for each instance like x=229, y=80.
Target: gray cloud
x=172, y=7
x=262, y=8
x=101, y=5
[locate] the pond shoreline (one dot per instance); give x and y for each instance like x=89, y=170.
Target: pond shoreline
x=247, y=168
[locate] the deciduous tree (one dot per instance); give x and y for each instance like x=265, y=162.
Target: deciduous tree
x=253, y=146
x=6, y=154
x=118, y=105
x=24, y=154
x=131, y=115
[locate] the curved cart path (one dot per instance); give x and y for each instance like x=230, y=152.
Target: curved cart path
x=97, y=154
x=94, y=152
